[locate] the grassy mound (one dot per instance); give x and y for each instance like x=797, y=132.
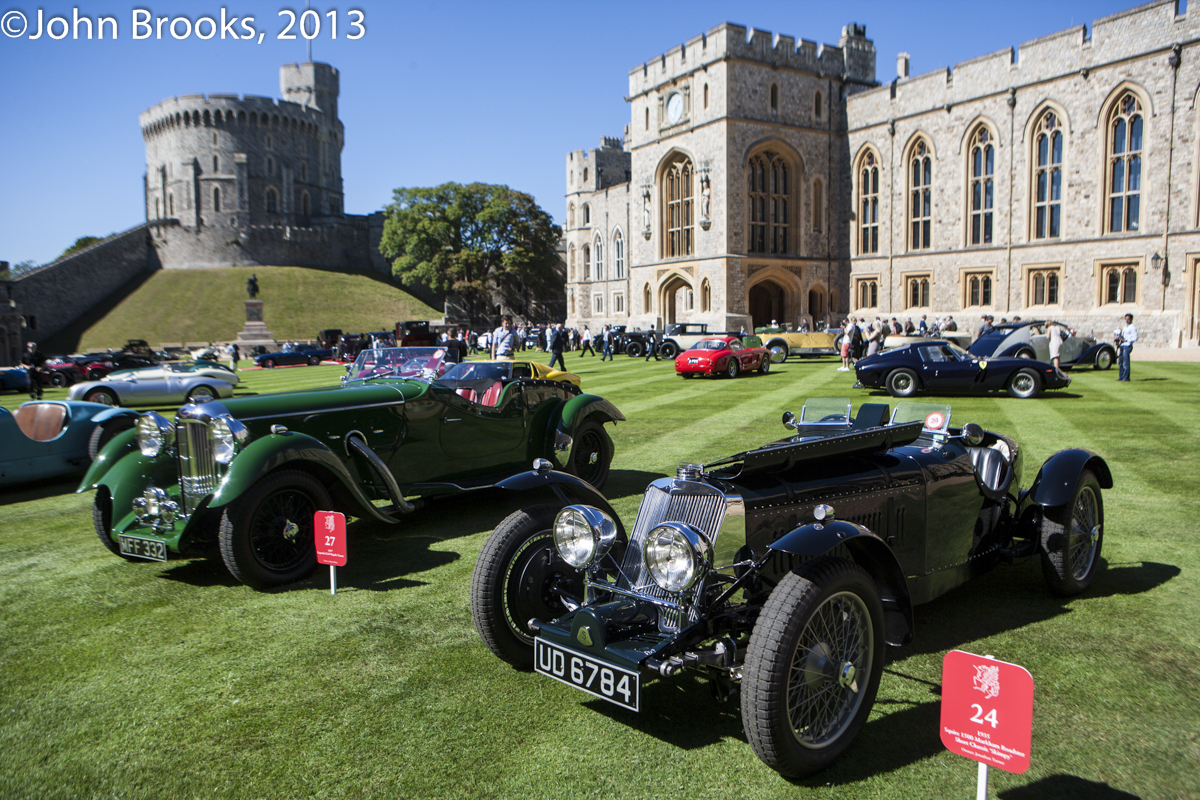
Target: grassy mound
x=204, y=305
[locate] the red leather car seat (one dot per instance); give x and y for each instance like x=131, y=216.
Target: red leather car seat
x=41, y=421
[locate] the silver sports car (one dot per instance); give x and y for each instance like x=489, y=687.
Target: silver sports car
x=131, y=389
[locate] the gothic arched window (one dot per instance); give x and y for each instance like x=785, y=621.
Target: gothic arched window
x=982, y=189
x=769, y=190
x=1124, y=164
x=920, y=192
x=1047, y=177
x=619, y=254
x=868, y=204
x=677, y=206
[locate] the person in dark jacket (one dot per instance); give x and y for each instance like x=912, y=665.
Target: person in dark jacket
x=34, y=361
x=556, y=341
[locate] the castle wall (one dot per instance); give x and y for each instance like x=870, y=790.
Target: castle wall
x=57, y=294
x=1077, y=77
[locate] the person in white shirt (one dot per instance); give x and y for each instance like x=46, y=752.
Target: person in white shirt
x=504, y=339
x=1125, y=338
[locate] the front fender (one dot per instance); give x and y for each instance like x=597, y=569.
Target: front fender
x=1055, y=481
x=869, y=552
x=1089, y=355
x=582, y=406
x=115, y=451
x=288, y=449
x=561, y=483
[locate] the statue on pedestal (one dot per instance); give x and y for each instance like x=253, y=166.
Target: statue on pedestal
x=252, y=286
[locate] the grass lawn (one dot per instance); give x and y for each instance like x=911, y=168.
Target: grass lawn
x=170, y=680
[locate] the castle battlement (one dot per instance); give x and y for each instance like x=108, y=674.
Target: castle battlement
x=852, y=59
x=1113, y=39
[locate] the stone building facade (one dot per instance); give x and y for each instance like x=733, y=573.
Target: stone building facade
x=1060, y=180
x=718, y=204
x=1057, y=181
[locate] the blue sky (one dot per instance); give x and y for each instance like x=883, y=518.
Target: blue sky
x=433, y=92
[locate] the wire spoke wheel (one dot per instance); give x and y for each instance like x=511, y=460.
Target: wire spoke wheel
x=1085, y=533
x=823, y=690
x=281, y=533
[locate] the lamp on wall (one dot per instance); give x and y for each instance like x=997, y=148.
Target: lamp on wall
x=1156, y=262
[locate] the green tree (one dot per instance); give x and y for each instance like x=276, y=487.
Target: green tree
x=472, y=240
x=80, y=243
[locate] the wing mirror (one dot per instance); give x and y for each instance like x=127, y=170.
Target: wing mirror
x=972, y=434
x=789, y=420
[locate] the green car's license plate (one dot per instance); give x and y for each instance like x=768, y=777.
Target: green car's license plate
x=138, y=547
x=606, y=681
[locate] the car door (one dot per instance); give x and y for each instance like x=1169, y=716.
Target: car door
x=478, y=436
x=941, y=369
x=1072, y=346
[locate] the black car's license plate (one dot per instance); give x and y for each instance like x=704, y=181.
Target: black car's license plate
x=606, y=681
x=138, y=547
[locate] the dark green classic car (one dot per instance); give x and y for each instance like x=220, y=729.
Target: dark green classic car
x=247, y=474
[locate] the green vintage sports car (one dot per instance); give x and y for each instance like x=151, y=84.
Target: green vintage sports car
x=247, y=474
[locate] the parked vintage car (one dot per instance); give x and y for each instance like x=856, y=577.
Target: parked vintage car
x=723, y=355
x=60, y=372
x=682, y=335
x=941, y=367
x=52, y=438
x=783, y=343
x=127, y=389
x=293, y=355
x=398, y=362
x=246, y=475
x=14, y=379
x=485, y=380
x=781, y=571
x=203, y=368
x=1029, y=340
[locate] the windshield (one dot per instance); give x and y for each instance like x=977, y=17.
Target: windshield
x=478, y=371
x=398, y=362
x=935, y=417
x=710, y=344
x=835, y=410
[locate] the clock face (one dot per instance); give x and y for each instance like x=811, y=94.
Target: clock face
x=674, y=107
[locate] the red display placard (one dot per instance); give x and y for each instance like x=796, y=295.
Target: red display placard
x=987, y=710
x=329, y=532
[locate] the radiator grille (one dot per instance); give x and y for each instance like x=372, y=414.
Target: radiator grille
x=701, y=507
x=197, y=468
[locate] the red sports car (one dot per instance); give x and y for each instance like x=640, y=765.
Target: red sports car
x=724, y=355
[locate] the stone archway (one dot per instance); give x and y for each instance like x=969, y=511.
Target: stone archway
x=774, y=293
x=767, y=304
x=673, y=296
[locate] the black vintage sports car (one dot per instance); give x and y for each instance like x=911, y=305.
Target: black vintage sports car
x=943, y=368
x=1030, y=340
x=783, y=570
x=292, y=355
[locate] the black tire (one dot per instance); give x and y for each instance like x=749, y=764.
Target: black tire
x=105, y=397
x=688, y=374
x=902, y=383
x=313, y=361
x=103, y=433
x=1072, y=537
x=96, y=374
x=58, y=380
x=635, y=350
x=765, y=366
x=202, y=394
x=1025, y=383
x=102, y=521
x=268, y=363
x=805, y=694
x=779, y=351
x=259, y=544
x=514, y=581
x=591, y=453
x=1104, y=359
x=1024, y=352
x=669, y=350
x=733, y=367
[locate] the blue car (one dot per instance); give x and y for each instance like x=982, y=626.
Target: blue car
x=14, y=380
x=939, y=367
x=293, y=355
x=51, y=439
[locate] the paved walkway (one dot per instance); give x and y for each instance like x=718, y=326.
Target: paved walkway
x=1164, y=354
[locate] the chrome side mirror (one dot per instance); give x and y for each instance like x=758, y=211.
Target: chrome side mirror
x=972, y=434
x=789, y=420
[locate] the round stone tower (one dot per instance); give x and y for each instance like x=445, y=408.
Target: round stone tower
x=241, y=175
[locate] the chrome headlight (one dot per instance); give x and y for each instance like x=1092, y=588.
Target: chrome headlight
x=677, y=555
x=226, y=433
x=583, y=534
x=154, y=432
